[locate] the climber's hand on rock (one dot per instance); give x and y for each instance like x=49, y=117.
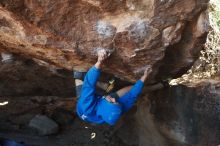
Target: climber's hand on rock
x=102, y=55
x=148, y=70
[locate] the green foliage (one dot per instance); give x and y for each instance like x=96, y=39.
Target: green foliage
x=214, y=14
x=208, y=65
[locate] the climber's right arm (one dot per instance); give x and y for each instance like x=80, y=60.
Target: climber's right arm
x=102, y=55
x=93, y=74
x=87, y=96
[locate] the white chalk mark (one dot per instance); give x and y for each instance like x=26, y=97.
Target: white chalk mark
x=166, y=1
x=132, y=56
x=40, y=39
x=6, y=57
x=138, y=30
x=139, y=49
x=142, y=69
x=105, y=29
x=93, y=2
x=130, y=5
x=96, y=50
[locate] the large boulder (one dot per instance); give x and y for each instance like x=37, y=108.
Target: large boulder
x=166, y=34
x=183, y=115
x=44, y=125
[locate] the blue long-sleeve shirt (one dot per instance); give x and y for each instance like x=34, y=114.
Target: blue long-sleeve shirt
x=128, y=100
x=89, y=101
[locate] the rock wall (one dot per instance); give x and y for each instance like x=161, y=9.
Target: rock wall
x=177, y=116
x=25, y=77
x=166, y=34
x=181, y=115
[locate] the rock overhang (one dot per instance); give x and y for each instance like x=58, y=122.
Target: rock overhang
x=164, y=34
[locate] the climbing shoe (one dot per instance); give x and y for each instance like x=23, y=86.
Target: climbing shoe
x=111, y=85
x=79, y=75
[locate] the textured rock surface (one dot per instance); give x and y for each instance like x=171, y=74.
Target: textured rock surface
x=16, y=115
x=44, y=125
x=167, y=34
x=24, y=77
x=178, y=116
x=181, y=115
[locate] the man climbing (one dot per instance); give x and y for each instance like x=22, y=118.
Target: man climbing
x=105, y=109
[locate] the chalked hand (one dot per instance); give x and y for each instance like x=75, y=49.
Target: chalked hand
x=102, y=55
x=148, y=70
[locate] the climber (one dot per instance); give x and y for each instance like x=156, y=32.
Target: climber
x=107, y=108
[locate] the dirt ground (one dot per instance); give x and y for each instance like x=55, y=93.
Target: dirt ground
x=15, y=116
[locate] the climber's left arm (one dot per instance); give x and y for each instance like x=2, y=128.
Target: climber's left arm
x=147, y=71
x=131, y=96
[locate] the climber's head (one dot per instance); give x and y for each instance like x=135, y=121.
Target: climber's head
x=110, y=112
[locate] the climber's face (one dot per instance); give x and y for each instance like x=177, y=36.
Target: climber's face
x=110, y=99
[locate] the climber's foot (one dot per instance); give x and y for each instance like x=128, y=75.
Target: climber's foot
x=79, y=75
x=111, y=85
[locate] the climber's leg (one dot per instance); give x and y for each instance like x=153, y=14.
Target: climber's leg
x=78, y=87
x=102, y=85
x=124, y=90
x=78, y=76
